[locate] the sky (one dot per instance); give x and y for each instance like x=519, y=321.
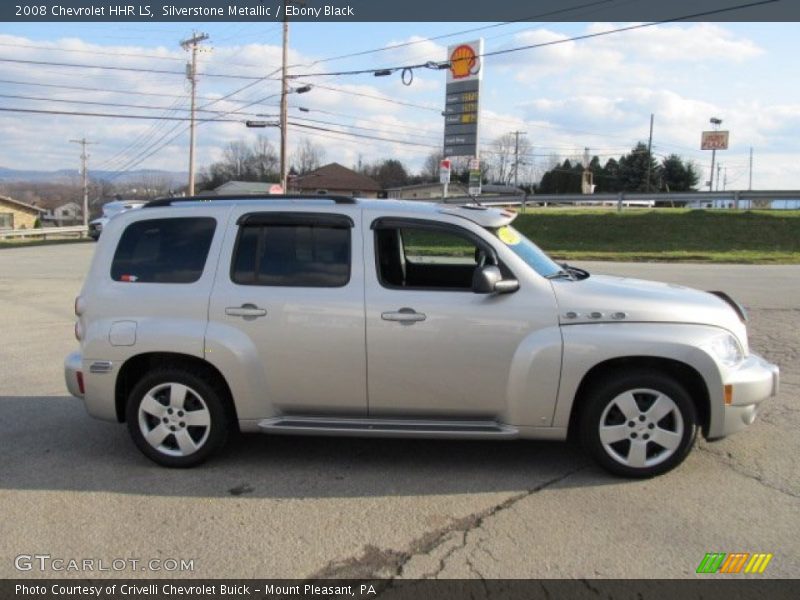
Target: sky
x=597, y=93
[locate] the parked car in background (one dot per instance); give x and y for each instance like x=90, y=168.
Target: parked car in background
x=340, y=316
x=111, y=209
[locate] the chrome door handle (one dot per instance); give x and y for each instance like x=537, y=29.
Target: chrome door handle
x=404, y=315
x=245, y=310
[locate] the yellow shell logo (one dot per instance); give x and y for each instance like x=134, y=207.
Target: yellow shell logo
x=463, y=62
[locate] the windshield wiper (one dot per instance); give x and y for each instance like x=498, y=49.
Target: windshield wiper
x=575, y=272
x=560, y=274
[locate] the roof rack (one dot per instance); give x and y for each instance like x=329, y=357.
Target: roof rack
x=170, y=201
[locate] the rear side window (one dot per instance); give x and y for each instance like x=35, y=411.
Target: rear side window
x=280, y=250
x=163, y=250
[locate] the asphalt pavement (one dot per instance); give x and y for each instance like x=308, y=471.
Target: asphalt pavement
x=75, y=488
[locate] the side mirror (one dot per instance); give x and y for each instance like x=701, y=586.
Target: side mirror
x=489, y=280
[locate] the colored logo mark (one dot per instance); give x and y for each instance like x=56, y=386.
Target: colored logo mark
x=737, y=562
x=464, y=62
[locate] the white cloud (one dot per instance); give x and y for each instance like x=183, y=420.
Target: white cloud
x=414, y=49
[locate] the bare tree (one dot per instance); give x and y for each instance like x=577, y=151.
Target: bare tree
x=237, y=155
x=307, y=157
x=264, y=158
x=430, y=168
x=150, y=185
x=506, y=156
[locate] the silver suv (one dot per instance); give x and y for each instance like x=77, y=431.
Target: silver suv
x=336, y=316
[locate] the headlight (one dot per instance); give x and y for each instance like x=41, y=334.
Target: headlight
x=727, y=349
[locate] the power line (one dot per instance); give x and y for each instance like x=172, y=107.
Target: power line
x=433, y=64
x=381, y=98
x=107, y=90
x=145, y=136
x=385, y=126
x=243, y=88
x=362, y=135
x=115, y=104
x=98, y=52
x=132, y=69
x=455, y=33
x=438, y=110
x=423, y=138
x=136, y=161
x=112, y=115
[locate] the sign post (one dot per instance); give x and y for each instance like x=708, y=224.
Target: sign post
x=713, y=140
x=462, y=103
x=474, y=188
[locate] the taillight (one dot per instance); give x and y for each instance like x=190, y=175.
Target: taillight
x=79, y=377
x=80, y=306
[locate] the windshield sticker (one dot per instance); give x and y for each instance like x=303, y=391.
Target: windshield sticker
x=508, y=236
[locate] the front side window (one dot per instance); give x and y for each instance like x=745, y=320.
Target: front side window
x=163, y=250
x=301, y=254
x=427, y=257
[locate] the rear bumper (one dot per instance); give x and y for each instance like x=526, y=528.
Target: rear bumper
x=72, y=367
x=752, y=382
x=93, y=381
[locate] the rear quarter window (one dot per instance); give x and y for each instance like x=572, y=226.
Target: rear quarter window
x=163, y=250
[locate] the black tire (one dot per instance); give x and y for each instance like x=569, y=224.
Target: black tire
x=604, y=407
x=201, y=395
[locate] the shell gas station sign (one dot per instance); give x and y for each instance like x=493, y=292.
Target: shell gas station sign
x=462, y=99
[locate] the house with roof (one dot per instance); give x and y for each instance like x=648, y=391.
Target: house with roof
x=15, y=214
x=335, y=179
x=69, y=213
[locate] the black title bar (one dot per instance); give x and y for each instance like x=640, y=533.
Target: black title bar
x=407, y=10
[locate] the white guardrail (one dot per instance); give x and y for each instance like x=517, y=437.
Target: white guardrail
x=44, y=232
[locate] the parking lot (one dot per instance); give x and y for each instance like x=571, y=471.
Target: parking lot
x=73, y=487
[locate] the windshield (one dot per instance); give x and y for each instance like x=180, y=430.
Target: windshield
x=527, y=251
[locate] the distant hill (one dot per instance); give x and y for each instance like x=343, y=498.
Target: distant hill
x=68, y=176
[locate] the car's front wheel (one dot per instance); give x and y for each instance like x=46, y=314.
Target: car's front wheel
x=639, y=424
x=176, y=418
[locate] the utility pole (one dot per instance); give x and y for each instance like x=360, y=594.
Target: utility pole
x=649, y=153
x=284, y=107
x=191, y=75
x=84, y=174
x=750, y=184
x=516, y=156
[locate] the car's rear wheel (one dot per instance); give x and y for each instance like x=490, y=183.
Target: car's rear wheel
x=176, y=418
x=639, y=424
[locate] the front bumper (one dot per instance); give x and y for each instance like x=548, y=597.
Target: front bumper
x=752, y=382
